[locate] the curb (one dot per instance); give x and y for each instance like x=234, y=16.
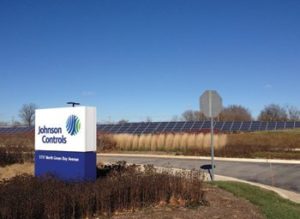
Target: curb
x=279, y=161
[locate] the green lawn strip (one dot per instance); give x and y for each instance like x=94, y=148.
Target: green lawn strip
x=271, y=204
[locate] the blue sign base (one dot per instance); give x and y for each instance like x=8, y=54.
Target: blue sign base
x=68, y=166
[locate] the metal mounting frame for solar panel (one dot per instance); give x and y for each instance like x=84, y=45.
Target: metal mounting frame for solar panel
x=142, y=126
x=271, y=126
x=263, y=126
x=245, y=126
x=236, y=126
x=170, y=126
x=227, y=126
x=197, y=126
x=187, y=126
x=290, y=125
x=255, y=126
x=146, y=127
x=280, y=125
x=161, y=127
x=181, y=126
x=219, y=125
x=206, y=125
x=297, y=124
x=178, y=126
x=123, y=128
x=151, y=128
x=133, y=128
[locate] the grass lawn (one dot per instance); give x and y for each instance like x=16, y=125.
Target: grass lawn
x=271, y=205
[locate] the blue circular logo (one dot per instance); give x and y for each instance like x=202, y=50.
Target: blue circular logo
x=73, y=125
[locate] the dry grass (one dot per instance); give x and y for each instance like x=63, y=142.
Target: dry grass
x=272, y=144
x=287, y=140
x=168, y=142
x=10, y=171
x=161, y=142
x=106, y=142
x=275, y=144
x=24, y=140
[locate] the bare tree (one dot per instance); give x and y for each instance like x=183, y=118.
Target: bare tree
x=175, y=118
x=190, y=115
x=235, y=113
x=3, y=123
x=123, y=121
x=273, y=112
x=148, y=119
x=293, y=113
x=27, y=113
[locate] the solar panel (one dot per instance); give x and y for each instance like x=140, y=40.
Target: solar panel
x=104, y=128
x=151, y=127
x=197, y=126
x=132, y=129
x=297, y=124
x=255, y=126
x=227, y=126
x=219, y=125
x=123, y=128
x=161, y=127
x=13, y=130
x=245, y=126
x=280, y=125
x=271, y=125
x=115, y=128
x=140, y=129
x=263, y=126
x=169, y=127
x=206, y=125
x=178, y=127
x=158, y=127
x=236, y=126
x=3, y=130
x=187, y=126
x=290, y=125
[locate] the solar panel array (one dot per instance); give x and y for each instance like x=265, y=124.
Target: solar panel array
x=13, y=130
x=160, y=127
x=163, y=127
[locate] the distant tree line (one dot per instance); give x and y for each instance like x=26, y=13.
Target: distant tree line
x=272, y=112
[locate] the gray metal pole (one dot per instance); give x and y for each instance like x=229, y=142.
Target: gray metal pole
x=212, y=149
x=211, y=138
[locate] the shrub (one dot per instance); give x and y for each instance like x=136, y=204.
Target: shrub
x=13, y=154
x=119, y=188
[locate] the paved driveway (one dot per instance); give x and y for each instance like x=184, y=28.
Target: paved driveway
x=286, y=176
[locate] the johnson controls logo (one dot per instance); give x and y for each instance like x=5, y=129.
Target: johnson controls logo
x=73, y=125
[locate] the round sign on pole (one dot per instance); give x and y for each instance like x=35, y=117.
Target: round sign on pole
x=211, y=103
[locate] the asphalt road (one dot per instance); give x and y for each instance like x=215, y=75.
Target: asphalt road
x=286, y=176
